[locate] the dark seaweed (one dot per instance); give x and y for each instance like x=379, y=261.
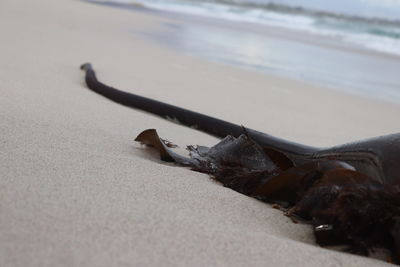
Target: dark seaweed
x=349, y=193
x=345, y=207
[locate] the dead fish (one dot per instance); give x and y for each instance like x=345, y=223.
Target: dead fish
x=350, y=193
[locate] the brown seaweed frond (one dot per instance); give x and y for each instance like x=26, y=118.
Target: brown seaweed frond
x=364, y=216
x=346, y=207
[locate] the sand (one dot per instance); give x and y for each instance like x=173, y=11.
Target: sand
x=75, y=190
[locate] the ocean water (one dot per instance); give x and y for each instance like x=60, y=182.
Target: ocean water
x=363, y=23
x=351, y=45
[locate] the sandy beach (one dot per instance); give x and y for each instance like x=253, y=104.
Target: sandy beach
x=76, y=190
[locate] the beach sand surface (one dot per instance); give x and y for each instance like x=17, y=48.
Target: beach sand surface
x=76, y=190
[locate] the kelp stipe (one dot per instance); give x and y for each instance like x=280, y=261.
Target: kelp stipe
x=349, y=193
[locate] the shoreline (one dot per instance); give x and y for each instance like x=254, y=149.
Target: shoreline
x=77, y=190
x=279, y=31
x=322, y=61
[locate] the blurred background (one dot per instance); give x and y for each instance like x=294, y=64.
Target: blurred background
x=349, y=45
